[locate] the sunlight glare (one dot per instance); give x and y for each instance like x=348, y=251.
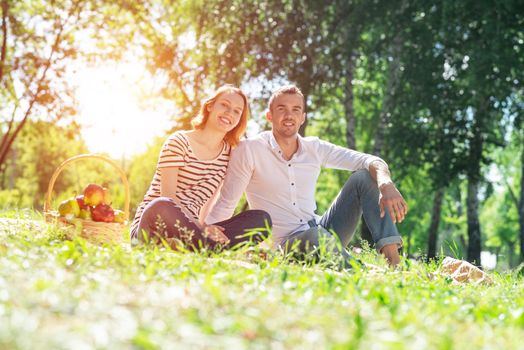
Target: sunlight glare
x=111, y=114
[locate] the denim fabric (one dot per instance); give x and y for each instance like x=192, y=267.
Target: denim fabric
x=358, y=196
x=163, y=218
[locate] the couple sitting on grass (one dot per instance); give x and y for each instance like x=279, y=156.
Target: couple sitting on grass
x=201, y=175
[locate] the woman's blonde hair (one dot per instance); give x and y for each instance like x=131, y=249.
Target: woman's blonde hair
x=233, y=136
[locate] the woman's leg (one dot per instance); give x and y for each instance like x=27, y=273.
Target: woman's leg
x=248, y=226
x=163, y=219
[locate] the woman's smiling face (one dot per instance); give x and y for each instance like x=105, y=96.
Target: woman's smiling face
x=225, y=113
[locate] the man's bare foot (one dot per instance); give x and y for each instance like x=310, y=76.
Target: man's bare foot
x=390, y=252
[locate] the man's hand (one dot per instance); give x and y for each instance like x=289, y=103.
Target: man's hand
x=391, y=199
x=216, y=233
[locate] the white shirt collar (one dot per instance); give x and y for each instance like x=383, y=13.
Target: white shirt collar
x=268, y=135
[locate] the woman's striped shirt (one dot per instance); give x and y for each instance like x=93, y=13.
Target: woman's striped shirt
x=197, y=179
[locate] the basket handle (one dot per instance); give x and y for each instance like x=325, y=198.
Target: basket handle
x=123, y=177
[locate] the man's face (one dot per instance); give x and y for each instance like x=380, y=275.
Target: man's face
x=287, y=114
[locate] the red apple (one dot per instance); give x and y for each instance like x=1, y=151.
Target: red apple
x=93, y=194
x=102, y=212
x=81, y=203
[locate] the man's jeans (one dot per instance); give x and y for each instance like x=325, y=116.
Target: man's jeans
x=358, y=196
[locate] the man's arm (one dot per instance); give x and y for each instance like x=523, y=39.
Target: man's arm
x=238, y=175
x=337, y=157
x=390, y=197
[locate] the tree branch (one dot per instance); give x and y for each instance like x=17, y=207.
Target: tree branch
x=6, y=134
x=34, y=97
x=4, y=38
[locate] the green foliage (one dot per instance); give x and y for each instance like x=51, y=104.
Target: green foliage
x=66, y=294
x=436, y=88
x=141, y=170
x=40, y=149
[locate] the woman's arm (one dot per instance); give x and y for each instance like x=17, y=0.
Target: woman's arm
x=168, y=186
x=206, y=208
x=169, y=182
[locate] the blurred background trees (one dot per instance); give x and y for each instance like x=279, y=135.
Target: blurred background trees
x=435, y=88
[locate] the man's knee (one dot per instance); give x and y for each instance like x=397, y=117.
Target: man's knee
x=362, y=178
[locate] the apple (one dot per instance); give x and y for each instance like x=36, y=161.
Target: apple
x=102, y=212
x=69, y=208
x=85, y=214
x=93, y=194
x=81, y=203
x=120, y=216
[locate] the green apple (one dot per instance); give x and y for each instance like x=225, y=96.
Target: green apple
x=85, y=214
x=120, y=216
x=69, y=208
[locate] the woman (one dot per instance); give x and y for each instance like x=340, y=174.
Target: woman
x=190, y=170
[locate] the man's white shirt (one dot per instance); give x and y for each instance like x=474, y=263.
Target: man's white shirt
x=283, y=188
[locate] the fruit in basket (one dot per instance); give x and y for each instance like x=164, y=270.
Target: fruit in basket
x=85, y=214
x=69, y=208
x=102, y=212
x=93, y=194
x=120, y=216
x=81, y=203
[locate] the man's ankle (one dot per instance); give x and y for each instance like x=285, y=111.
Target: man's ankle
x=390, y=252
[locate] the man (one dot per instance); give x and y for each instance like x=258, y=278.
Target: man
x=279, y=169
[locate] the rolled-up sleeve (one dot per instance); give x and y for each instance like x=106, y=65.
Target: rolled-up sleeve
x=238, y=175
x=336, y=157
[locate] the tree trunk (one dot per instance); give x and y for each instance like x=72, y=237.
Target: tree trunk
x=511, y=254
x=393, y=80
x=435, y=220
x=385, y=113
x=474, y=242
x=521, y=207
x=3, y=51
x=348, y=103
x=302, y=129
x=350, y=129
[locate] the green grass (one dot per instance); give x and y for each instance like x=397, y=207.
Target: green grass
x=59, y=294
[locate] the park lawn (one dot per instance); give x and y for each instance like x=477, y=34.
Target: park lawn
x=61, y=294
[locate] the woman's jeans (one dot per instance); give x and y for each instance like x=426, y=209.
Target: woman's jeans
x=163, y=219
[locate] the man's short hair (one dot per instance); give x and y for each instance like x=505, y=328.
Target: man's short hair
x=286, y=89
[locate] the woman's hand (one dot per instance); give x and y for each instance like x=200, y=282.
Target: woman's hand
x=216, y=233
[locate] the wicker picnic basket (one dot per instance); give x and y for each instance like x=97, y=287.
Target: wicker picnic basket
x=98, y=232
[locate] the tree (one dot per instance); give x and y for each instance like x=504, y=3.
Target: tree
x=30, y=74
x=40, y=148
x=39, y=41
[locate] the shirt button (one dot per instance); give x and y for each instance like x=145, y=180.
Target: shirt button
x=289, y=165
x=293, y=203
x=300, y=220
x=292, y=184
